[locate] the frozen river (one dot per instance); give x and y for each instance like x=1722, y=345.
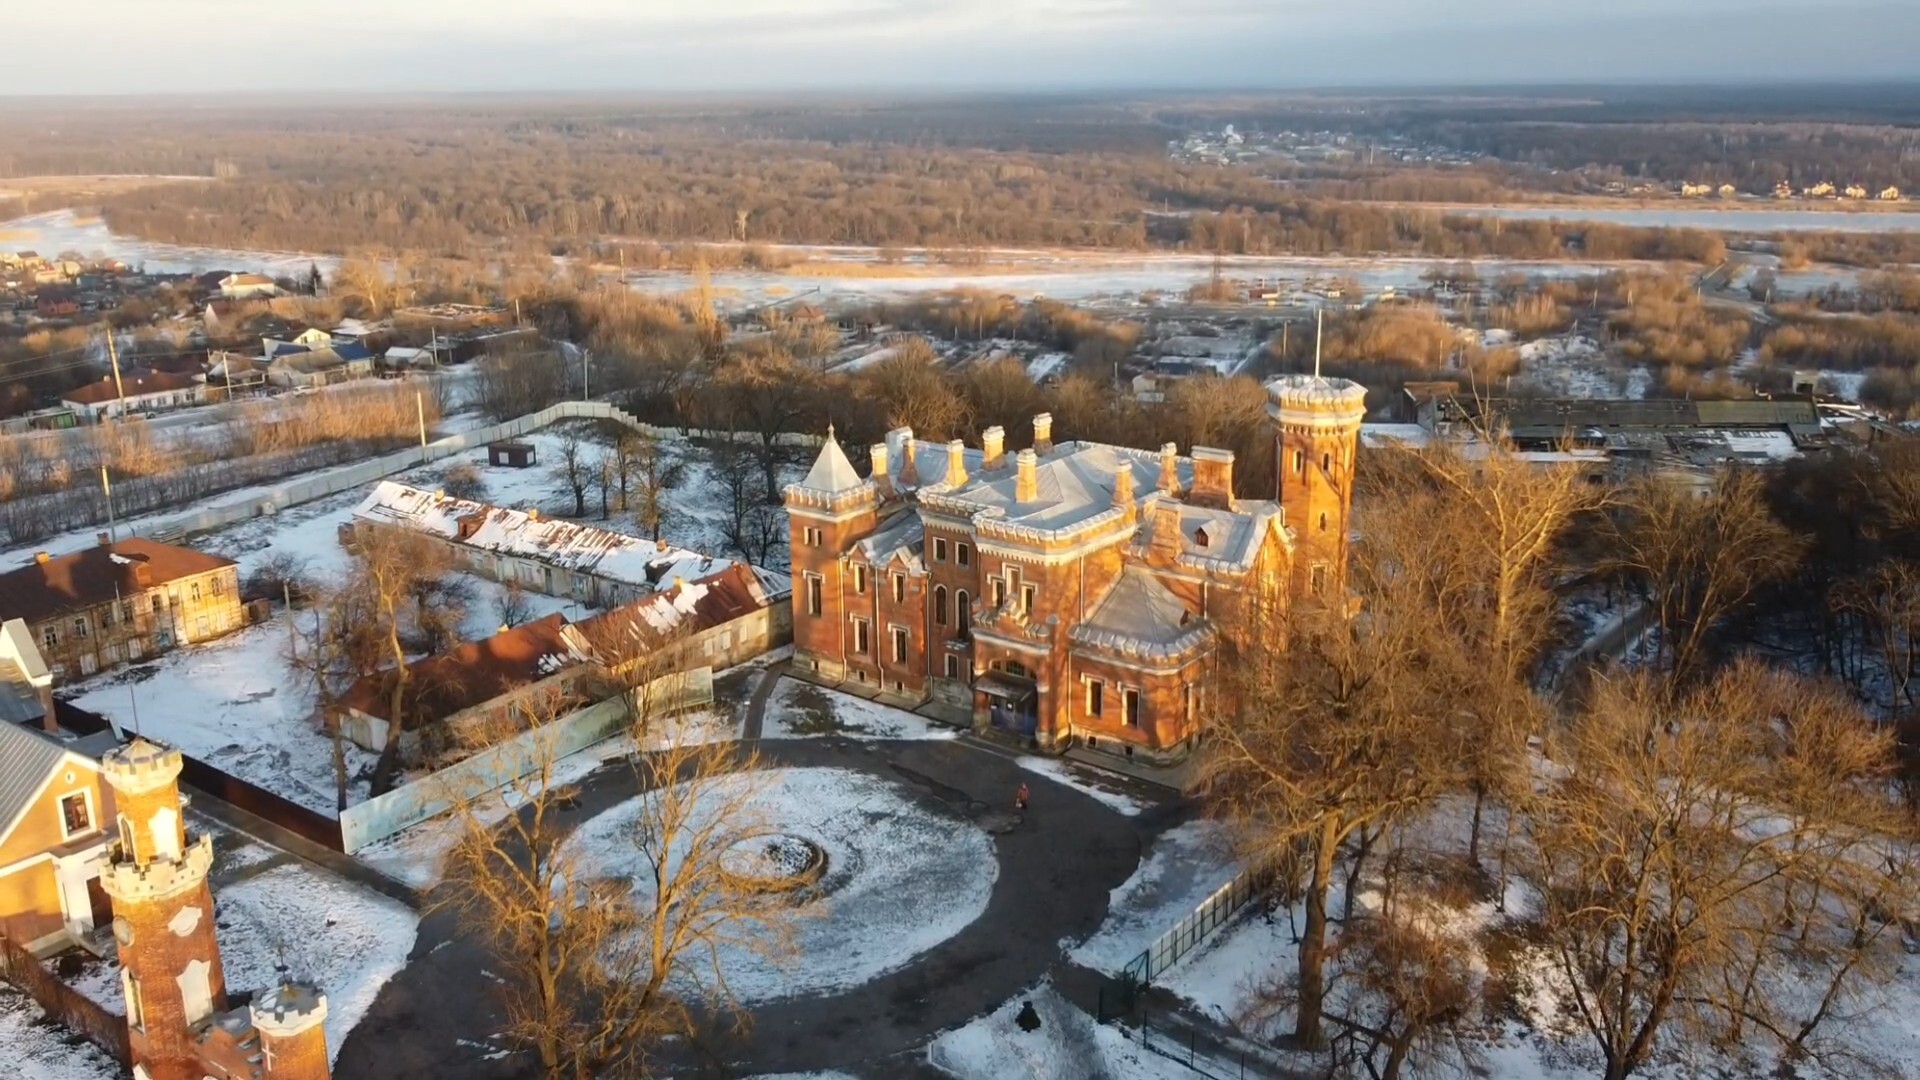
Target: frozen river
x=1080, y=277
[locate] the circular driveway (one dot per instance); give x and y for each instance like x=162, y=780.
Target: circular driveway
x=1055, y=869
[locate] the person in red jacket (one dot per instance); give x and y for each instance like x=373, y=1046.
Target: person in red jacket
x=1020, y=798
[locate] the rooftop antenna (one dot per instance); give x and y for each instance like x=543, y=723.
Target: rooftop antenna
x=1319, y=331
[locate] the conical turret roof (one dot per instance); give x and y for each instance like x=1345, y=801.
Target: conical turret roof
x=831, y=471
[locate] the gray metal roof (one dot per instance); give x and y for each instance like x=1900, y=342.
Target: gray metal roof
x=27, y=758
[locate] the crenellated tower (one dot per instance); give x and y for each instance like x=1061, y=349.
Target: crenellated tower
x=156, y=876
x=1317, y=433
x=178, y=1024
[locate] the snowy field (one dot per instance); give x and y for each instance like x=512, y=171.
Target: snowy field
x=297, y=921
x=799, y=710
x=1183, y=868
x=34, y=1048
x=1067, y=1045
x=900, y=878
x=233, y=704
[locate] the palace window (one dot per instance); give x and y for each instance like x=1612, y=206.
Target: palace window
x=810, y=536
x=899, y=588
x=1323, y=522
x=940, y=605
x=813, y=594
x=1096, y=697
x=862, y=636
x=963, y=613
x=939, y=549
x=999, y=592
x=1027, y=596
x=963, y=554
x=899, y=644
x=1320, y=580
x=1300, y=462
x=859, y=579
x=1130, y=706
x=953, y=666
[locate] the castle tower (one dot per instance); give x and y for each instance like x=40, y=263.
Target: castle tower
x=290, y=1021
x=156, y=875
x=1317, y=433
x=827, y=512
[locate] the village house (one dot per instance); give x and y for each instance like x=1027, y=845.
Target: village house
x=300, y=367
x=115, y=603
x=467, y=697
x=53, y=840
x=134, y=392
x=555, y=558
x=248, y=287
x=1072, y=593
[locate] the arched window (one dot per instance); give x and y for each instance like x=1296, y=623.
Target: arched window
x=940, y=605
x=963, y=613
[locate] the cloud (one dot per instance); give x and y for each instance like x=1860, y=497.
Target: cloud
x=195, y=45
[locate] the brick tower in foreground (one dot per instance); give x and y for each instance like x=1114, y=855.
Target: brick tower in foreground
x=178, y=1022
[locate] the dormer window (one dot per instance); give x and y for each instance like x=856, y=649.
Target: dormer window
x=1200, y=537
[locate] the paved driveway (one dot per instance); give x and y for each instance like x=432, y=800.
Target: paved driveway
x=436, y=1019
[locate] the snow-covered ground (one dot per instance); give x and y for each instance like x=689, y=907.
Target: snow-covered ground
x=900, y=878
x=1085, y=780
x=35, y=1048
x=799, y=710
x=296, y=921
x=1185, y=866
x=233, y=704
x=1067, y=1045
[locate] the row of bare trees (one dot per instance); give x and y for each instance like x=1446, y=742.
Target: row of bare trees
x=1701, y=858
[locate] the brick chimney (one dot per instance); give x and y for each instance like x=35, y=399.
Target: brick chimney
x=1123, y=486
x=42, y=558
x=1043, y=433
x=1026, y=483
x=881, y=479
x=1165, y=542
x=105, y=539
x=1212, y=478
x=993, y=442
x=1170, y=469
x=956, y=463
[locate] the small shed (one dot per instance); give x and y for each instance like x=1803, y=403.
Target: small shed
x=517, y=455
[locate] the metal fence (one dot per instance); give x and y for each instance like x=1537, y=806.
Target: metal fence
x=1213, y=912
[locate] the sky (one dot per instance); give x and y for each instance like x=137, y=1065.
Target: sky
x=196, y=46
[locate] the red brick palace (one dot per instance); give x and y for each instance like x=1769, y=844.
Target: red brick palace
x=1071, y=591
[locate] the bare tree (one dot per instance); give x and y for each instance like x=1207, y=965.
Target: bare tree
x=598, y=971
x=1695, y=560
x=464, y=481
x=510, y=603
x=1708, y=854
x=391, y=572
x=574, y=472
x=1335, y=729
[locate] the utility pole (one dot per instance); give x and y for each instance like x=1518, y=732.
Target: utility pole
x=420, y=412
x=106, y=489
x=586, y=374
x=1319, y=332
x=113, y=354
